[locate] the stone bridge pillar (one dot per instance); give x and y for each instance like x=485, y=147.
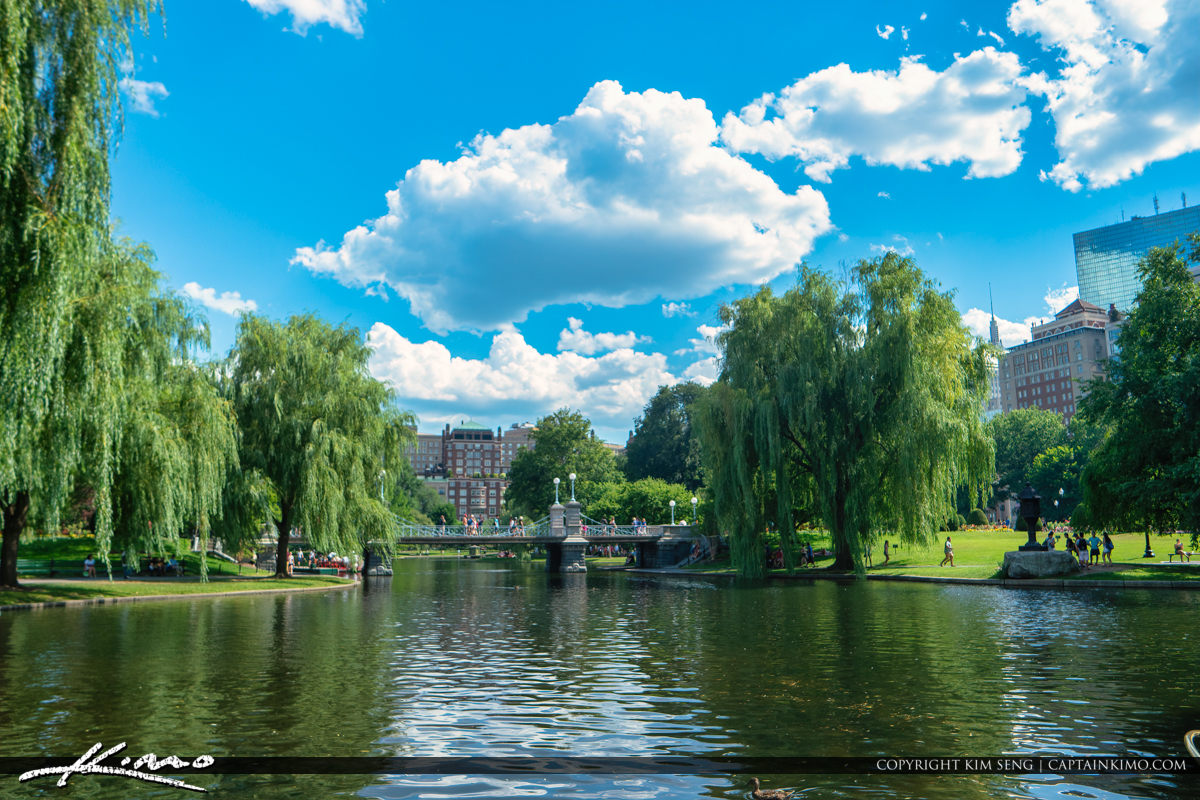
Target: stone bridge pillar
x=554, y=550
x=574, y=545
x=566, y=555
x=669, y=549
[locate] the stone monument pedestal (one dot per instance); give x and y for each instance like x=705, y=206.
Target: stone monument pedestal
x=1039, y=564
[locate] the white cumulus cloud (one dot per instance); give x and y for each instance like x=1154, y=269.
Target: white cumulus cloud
x=973, y=111
x=899, y=245
x=575, y=338
x=626, y=199
x=1125, y=94
x=1060, y=298
x=343, y=14
x=706, y=343
x=227, y=302
x=677, y=310
x=142, y=94
x=884, y=31
x=516, y=382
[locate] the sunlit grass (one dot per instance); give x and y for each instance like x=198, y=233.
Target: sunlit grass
x=35, y=590
x=979, y=554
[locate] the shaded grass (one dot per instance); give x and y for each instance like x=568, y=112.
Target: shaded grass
x=49, y=590
x=1146, y=572
x=68, y=553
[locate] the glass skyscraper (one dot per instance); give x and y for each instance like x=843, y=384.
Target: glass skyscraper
x=1106, y=259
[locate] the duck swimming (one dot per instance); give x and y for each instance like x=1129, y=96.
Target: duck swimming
x=769, y=794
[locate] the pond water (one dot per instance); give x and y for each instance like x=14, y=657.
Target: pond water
x=460, y=659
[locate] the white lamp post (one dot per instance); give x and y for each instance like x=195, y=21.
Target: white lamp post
x=572, y=477
x=672, y=504
x=694, y=501
x=556, y=491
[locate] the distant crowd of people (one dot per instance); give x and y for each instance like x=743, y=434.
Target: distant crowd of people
x=1088, y=551
x=315, y=560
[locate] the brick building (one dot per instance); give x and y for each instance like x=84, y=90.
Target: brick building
x=1050, y=371
x=468, y=464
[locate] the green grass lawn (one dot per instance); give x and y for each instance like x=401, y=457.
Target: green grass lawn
x=606, y=561
x=979, y=554
x=39, y=590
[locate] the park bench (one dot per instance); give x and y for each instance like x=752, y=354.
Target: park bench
x=30, y=566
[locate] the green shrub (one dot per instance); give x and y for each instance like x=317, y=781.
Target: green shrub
x=977, y=517
x=1021, y=526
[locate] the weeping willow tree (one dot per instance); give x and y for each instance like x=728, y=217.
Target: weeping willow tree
x=176, y=439
x=131, y=417
x=317, y=429
x=58, y=112
x=857, y=403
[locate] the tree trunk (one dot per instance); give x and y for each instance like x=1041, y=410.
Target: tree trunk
x=14, y=526
x=285, y=530
x=843, y=556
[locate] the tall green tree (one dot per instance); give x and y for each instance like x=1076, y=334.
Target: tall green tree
x=1020, y=436
x=859, y=400
x=664, y=444
x=160, y=474
x=648, y=499
x=1146, y=471
x=318, y=428
x=564, y=442
x=58, y=112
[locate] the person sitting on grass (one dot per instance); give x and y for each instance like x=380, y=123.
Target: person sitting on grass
x=949, y=557
x=89, y=566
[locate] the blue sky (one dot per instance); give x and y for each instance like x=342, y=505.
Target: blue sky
x=534, y=205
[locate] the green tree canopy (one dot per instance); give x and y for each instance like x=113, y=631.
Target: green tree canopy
x=58, y=113
x=411, y=499
x=1146, y=471
x=318, y=428
x=1054, y=470
x=176, y=441
x=860, y=401
x=664, y=444
x=1020, y=436
x=648, y=499
x=564, y=442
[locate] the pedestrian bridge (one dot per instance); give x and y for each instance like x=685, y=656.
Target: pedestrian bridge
x=565, y=534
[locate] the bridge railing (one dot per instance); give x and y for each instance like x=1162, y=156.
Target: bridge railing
x=596, y=527
x=411, y=530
